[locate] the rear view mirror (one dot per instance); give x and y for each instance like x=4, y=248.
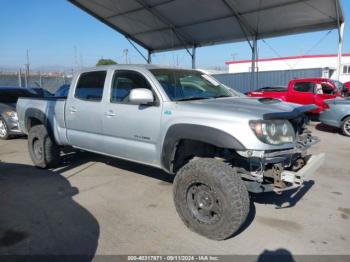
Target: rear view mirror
x=141, y=96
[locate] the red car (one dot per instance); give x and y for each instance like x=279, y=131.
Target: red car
x=302, y=91
x=346, y=89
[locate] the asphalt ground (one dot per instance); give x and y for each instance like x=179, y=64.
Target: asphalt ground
x=96, y=205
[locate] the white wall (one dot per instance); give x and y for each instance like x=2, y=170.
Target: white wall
x=288, y=63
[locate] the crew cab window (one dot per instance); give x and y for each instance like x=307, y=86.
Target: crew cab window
x=90, y=86
x=305, y=87
x=123, y=82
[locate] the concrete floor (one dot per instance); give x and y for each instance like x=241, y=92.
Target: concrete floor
x=98, y=205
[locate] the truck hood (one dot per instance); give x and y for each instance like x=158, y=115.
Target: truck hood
x=262, y=108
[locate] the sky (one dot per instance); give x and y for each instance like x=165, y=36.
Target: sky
x=59, y=35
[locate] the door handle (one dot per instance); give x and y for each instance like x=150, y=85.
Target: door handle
x=72, y=109
x=110, y=113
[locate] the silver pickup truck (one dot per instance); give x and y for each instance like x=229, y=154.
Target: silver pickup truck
x=218, y=144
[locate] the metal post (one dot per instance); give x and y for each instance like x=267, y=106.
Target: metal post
x=254, y=56
x=40, y=80
x=340, y=49
x=20, y=78
x=25, y=80
x=149, y=58
x=193, y=57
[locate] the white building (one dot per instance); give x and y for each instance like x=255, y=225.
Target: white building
x=328, y=63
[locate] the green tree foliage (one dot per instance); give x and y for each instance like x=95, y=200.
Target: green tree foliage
x=106, y=62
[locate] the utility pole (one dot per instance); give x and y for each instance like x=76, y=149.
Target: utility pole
x=126, y=51
x=20, y=78
x=27, y=66
x=234, y=55
x=75, y=58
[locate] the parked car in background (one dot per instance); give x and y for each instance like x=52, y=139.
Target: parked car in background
x=8, y=116
x=338, y=84
x=41, y=92
x=337, y=114
x=217, y=144
x=346, y=89
x=62, y=91
x=302, y=91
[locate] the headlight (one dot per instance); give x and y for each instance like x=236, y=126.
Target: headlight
x=273, y=132
x=12, y=115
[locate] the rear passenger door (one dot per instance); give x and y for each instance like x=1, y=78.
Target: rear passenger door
x=131, y=131
x=84, y=112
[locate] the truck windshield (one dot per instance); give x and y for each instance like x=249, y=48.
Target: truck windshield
x=182, y=85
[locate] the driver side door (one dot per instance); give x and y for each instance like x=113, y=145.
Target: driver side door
x=131, y=131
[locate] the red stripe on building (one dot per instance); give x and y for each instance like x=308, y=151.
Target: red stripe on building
x=285, y=58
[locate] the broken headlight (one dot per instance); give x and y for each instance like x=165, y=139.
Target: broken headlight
x=273, y=132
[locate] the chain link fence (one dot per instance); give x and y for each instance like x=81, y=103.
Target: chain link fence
x=49, y=82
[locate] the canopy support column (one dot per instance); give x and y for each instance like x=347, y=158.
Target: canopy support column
x=149, y=57
x=253, y=65
x=340, y=49
x=193, y=56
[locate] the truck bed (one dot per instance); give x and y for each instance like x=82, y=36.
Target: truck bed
x=50, y=109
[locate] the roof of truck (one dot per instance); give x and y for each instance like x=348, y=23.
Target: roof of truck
x=132, y=66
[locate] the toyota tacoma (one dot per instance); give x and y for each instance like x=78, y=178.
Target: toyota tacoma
x=218, y=144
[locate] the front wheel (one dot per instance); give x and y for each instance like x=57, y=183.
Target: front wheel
x=43, y=150
x=211, y=198
x=4, y=132
x=345, y=127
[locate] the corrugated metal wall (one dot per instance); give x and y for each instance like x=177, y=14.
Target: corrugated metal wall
x=241, y=81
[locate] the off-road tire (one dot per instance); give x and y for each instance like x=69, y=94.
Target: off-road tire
x=6, y=136
x=344, y=130
x=38, y=138
x=228, y=187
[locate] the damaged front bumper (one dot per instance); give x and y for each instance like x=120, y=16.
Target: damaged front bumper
x=290, y=179
x=282, y=170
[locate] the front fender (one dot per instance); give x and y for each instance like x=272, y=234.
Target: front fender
x=200, y=133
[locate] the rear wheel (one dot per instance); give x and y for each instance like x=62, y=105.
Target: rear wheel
x=43, y=150
x=211, y=198
x=346, y=126
x=4, y=134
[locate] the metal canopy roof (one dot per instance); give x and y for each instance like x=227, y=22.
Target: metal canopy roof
x=161, y=25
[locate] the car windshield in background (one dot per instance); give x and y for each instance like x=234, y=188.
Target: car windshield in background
x=182, y=85
x=10, y=96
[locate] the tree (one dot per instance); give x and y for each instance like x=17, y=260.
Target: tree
x=105, y=62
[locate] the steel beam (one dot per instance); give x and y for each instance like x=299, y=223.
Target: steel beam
x=193, y=57
x=149, y=58
x=253, y=65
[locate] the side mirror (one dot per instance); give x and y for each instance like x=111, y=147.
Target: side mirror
x=141, y=96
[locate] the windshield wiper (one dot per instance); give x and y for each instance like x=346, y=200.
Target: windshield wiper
x=220, y=96
x=192, y=98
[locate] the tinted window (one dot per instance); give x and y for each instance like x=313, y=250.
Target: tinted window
x=90, y=86
x=9, y=96
x=123, y=82
x=304, y=87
